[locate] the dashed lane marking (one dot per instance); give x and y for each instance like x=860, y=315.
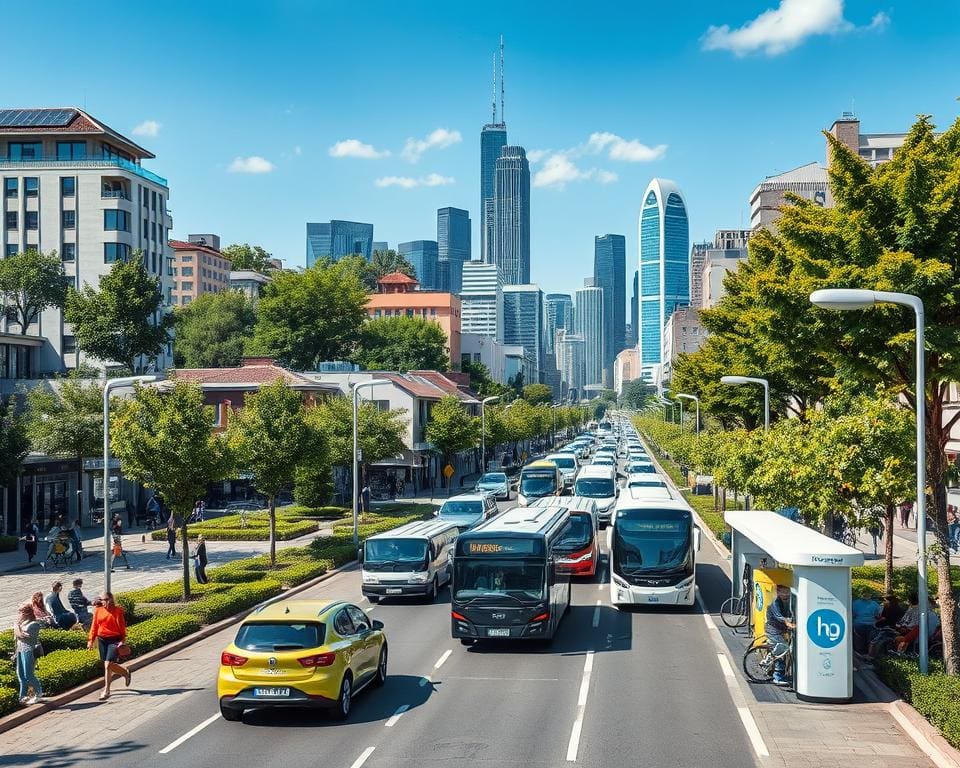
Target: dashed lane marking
x=363, y=757
x=574, y=744
x=396, y=715
x=442, y=659
x=596, y=615
x=189, y=734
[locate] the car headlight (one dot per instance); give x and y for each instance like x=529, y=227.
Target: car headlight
x=419, y=577
x=369, y=578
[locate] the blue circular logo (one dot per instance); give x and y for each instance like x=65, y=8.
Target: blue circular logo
x=826, y=628
x=758, y=596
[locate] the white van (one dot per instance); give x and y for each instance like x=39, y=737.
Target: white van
x=598, y=482
x=414, y=559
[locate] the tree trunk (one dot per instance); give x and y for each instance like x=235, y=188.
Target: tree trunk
x=723, y=500
x=716, y=497
x=273, y=530
x=888, y=548
x=936, y=470
x=185, y=551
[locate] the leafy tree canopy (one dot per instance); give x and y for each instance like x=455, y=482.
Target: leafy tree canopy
x=211, y=331
x=29, y=283
x=451, y=429
x=14, y=444
x=246, y=256
x=380, y=433
x=537, y=394
x=402, y=344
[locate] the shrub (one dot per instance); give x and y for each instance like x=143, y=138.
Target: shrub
x=8, y=543
x=217, y=606
x=866, y=588
x=317, y=513
x=160, y=630
x=51, y=639
x=301, y=572
x=253, y=532
x=935, y=696
x=229, y=575
x=8, y=701
x=61, y=670
x=170, y=592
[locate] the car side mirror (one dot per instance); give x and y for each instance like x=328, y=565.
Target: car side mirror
x=360, y=554
x=697, y=534
x=377, y=624
x=436, y=512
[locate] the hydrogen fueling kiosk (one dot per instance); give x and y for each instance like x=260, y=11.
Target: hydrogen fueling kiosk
x=817, y=569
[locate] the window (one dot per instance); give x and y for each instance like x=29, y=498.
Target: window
x=24, y=150
x=11, y=220
x=161, y=203
x=146, y=228
x=186, y=285
x=186, y=271
x=10, y=187
x=115, y=252
x=153, y=262
x=145, y=197
x=32, y=219
x=69, y=252
x=171, y=270
x=69, y=345
x=69, y=219
x=12, y=249
x=153, y=200
x=68, y=186
x=153, y=231
x=187, y=258
x=116, y=221
x=31, y=186
x=71, y=150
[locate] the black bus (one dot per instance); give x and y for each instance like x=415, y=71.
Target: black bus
x=506, y=580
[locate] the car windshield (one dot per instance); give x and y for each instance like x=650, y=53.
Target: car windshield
x=651, y=540
x=538, y=484
x=519, y=579
x=564, y=462
x=493, y=478
x=395, y=550
x=279, y=636
x=641, y=469
x=462, y=509
x=595, y=487
x=646, y=484
x=577, y=534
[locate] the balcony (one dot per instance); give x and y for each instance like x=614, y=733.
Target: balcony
x=114, y=194
x=88, y=162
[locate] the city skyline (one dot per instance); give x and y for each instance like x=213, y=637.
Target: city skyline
x=224, y=173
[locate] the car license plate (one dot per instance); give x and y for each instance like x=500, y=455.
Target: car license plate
x=394, y=591
x=498, y=632
x=271, y=692
x=652, y=599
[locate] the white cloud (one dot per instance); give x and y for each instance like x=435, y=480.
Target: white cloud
x=627, y=150
x=536, y=155
x=297, y=151
x=778, y=30
x=408, y=182
x=147, y=128
x=356, y=148
x=606, y=177
x=440, y=138
x=252, y=164
x=558, y=170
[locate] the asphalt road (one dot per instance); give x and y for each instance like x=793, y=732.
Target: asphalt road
x=614, y=689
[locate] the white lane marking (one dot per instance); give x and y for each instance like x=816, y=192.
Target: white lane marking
x=750, y=725
x=574, y=744
x=725, y=665
x=396, y=715
x=596, y=615
x=425, y=680
x=603, y=574
x=442, y=659
x=192, y=732
x=363, y=757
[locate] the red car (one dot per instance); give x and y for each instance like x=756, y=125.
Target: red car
x=578, y=551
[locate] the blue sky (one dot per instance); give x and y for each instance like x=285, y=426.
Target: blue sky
x=715, y=95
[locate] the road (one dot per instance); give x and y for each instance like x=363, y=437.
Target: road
x=614, y=689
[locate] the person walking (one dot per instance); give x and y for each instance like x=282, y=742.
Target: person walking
x=953, y=527
x=74, y=531
x=27, y=647
x=117, y=551
x=108, y=631
x=200, y=560
x=171, y=536
x=905, y=514
x=116, y=526
x=31, y=535
x=153, y=511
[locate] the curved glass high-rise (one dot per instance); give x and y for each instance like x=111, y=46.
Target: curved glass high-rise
x=664, y=265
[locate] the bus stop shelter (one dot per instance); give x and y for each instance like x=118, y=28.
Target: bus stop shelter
x=820, y=568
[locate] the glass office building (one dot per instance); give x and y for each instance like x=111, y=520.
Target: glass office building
x=493, y=138
x=589, y=327
x=523, y=321
x=336, y=239
x=453, y=244
x=511, y=237
x=664, y=265
x=610, y=275
x=558, y=313
x=424, y=256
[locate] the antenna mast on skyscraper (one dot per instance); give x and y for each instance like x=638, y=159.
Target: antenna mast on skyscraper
x=503, y=118
x=493, y=97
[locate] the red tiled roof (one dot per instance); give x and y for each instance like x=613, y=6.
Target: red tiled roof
x=255, y=373
x=397, y=278
x=448, y=386
x=81, y=123
x=414, y=386
x=185, y=245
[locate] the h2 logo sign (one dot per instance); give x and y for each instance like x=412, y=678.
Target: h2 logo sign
x=825, y=628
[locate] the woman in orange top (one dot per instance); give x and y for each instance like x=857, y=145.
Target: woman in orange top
x=108, y=631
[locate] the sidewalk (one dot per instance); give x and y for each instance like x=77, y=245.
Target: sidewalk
x=904, y=546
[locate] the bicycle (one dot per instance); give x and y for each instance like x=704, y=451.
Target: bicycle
x=760, y=658
x=735, y=611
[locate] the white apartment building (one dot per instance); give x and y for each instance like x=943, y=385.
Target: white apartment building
x=682, y=333
x=73, y=185
x=481, y=297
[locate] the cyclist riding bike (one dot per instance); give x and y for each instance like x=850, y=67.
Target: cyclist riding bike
x=779, y=624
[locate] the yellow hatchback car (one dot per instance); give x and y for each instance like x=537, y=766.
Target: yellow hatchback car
x=302, y=653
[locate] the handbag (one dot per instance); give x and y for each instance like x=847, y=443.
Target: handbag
x=38, y=650
x=124, y=652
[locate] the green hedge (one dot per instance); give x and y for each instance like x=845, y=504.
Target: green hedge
x=217, y=606
x=298, y=573
x=228, y=574
x=935, y=696
x=285, y=531
x=170, y=592
x=8, y=700
x=8, y=543
x=61, y=670
x=51, y=639
x=158, y=631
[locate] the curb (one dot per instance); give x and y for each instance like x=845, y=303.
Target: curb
x=27, y=714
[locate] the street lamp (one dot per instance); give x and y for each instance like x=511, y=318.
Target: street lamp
x=110, y=384
x=356, y=454
x=854, y=298
x=697, y=401
x=483, y=430
x=736, y=380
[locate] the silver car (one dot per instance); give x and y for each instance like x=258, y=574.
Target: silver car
x=495, y=484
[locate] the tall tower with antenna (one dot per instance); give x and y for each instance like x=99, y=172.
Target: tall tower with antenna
x=493, y=138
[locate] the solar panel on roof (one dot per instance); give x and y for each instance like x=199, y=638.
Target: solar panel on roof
x=29, y=118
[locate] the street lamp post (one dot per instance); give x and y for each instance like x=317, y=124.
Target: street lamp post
x=853, y=298
x=483, y=431
x=356, y=454
x=735, y=380
x=697, y=401
x=110, y=384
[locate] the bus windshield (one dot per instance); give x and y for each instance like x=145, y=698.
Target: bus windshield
x=564, y=462
x=651, y=540
x=538, y=482
x=578, y=533
x=595, y=487
x=519, y=579
x=395, y=550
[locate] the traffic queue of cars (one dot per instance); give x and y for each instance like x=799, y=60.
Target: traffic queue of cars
x=509, y=573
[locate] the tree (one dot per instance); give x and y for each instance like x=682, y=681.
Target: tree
x=211, y=331
x=29, y=283
x=636, y=393
x=451, y=429
x=402, y=344
x=306, y=317
x=67, y=421
x=14, y=444
x=123, y=319
x=482, y=383
x=165, y=440
x=369, y=272
x=537, y=394
x=389, y=261
x=248, y=256
x=270, y=439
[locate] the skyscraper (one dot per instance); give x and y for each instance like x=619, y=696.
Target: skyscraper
x=453, y=244
x=423, y=255
x=511, y=236
x=381, y=245
x=635, y=310
x=698, y=256
x=589, y=326
x=609, y=274
x=664, y=264
x=336, y=239
x=558, y=313
x=482, y=297
x=523, y=321
x=493, y=138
